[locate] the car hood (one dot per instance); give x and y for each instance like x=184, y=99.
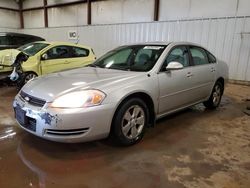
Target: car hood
x=51, y=86
x=8, y=57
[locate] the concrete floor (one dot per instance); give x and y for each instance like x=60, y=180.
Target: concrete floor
x=194, y=148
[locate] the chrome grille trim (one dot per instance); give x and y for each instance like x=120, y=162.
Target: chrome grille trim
x=32, y=100
x=69, y=132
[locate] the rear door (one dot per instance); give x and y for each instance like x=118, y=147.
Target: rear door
x=203, y=72
x=175, y=86
x=55, y=59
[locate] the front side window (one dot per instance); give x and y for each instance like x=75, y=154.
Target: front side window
x=32, y=48
x=132, y=58
x=199, y=56
x=79, y=52
x=178, y=54
x=58, y=52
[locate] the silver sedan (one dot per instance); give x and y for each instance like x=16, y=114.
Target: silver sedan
x=121, y=93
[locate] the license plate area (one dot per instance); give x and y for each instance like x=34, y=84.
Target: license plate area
x=21, y=116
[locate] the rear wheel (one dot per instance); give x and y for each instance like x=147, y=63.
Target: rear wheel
x=215, y=97
x=130, y=122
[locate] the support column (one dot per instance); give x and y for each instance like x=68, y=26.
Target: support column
x=156, y=10
x=89, y=12
x=45, y=3
x=20, y=3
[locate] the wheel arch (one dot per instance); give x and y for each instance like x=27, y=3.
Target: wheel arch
x=222, y=81
x=148, y=101
x=29, y=72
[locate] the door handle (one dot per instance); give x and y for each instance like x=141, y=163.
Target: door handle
x=189, y=74
x=212, y=69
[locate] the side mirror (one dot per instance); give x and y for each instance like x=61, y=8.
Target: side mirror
x=174, y=65
x=44, y=57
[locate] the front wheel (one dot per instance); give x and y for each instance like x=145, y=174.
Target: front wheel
x=130, y=122
x=29, y=76
x=26, y=77
x=215, y=97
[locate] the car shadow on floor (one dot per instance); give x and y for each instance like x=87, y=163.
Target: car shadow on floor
x=164, y=126
x=167, y=131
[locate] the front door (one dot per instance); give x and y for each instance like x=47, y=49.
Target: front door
x=175, y=85
x=55, y=59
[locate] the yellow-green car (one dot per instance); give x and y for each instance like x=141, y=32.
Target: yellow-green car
x=46, y=57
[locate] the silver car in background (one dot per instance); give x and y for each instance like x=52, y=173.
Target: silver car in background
x=121, y=93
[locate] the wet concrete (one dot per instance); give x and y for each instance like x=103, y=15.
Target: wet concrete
x=193, y=148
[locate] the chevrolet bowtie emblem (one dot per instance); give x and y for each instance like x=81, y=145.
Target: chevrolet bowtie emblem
x=27, y=99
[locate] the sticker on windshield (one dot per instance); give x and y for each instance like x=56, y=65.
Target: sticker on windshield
x=153, y=47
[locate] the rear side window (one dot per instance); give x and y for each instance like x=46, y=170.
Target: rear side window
x=199, y=55
x=18, y=40
x=4, y=40
x=79, y=52
x=211, y=58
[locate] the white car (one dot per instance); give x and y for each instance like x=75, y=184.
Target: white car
x=121, y=93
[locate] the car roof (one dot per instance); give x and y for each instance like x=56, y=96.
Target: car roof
x=166, y=43
x=62, y=43
x=174, y=43
x=18, y=34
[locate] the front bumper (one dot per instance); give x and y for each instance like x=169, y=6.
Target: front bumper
x=64, y=125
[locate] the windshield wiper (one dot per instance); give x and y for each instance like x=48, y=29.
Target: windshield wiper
x=93, y=65
x=120, y=68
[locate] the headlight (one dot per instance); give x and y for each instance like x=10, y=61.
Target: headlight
x=79, y=99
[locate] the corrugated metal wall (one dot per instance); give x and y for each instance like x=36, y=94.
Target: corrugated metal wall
x=228, y=38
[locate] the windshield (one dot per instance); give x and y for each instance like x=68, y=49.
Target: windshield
x=132, y=58
x=32, y=48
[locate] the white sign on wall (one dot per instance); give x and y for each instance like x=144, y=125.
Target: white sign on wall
x=72, y=35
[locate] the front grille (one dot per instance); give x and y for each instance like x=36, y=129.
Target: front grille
x=69, y=132
x=32, y=100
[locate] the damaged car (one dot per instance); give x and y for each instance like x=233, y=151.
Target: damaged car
x=10, y=40
x=42, y=58
x=121, y=93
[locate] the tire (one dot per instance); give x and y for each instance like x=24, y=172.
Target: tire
x=214, y=100
x=25, y=78
x=129, y=122
x=29, y=76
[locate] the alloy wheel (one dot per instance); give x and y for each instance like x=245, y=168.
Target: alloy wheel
x=216, y=95
x=29, y=77
x=133, y=122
